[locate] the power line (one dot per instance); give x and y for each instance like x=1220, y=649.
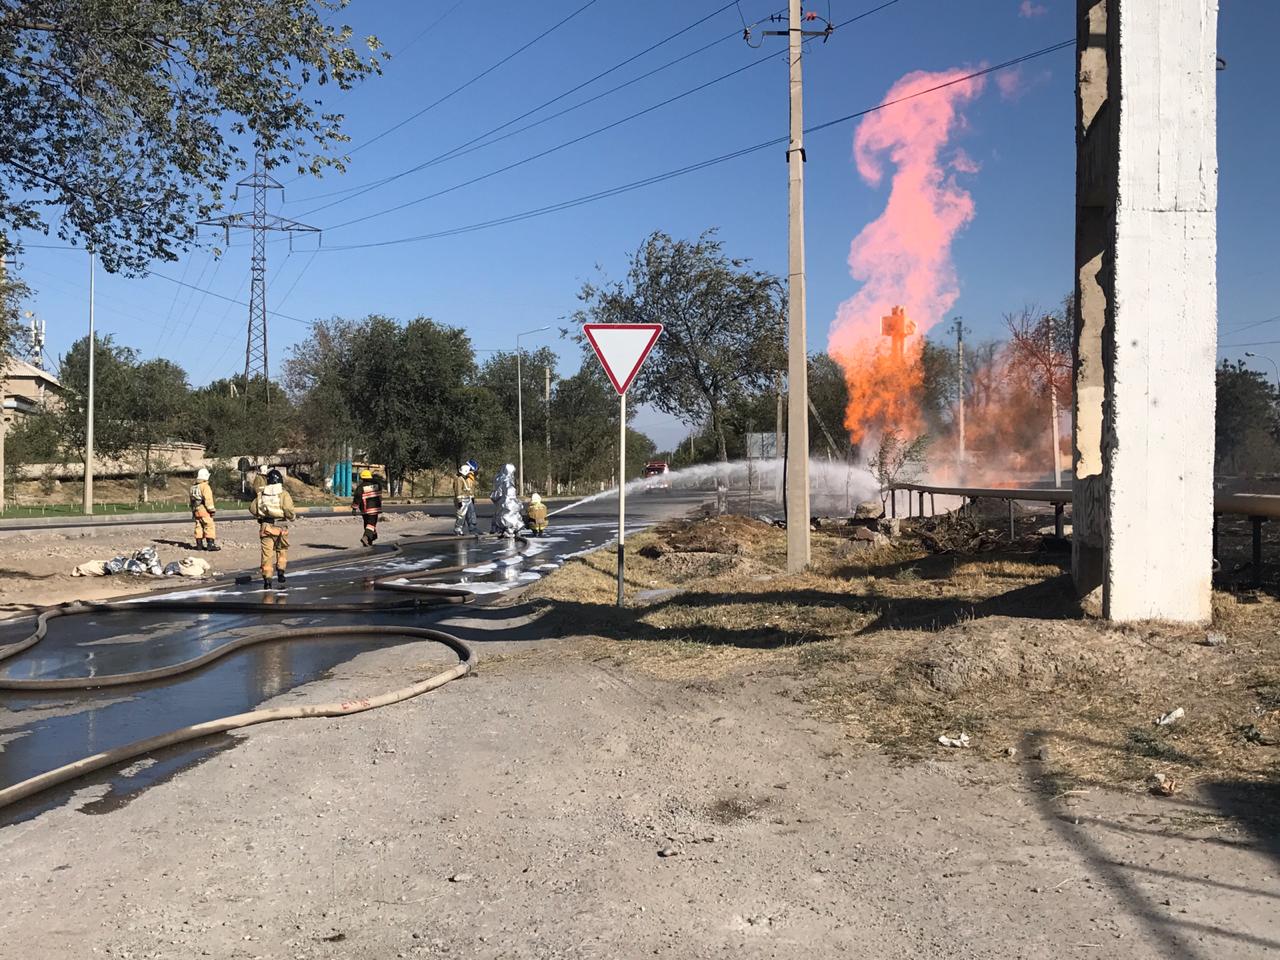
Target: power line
x=1252, y=343
x=427, y=29
x=694, y=167
x=1256, y=323
x=221, y=296
x=473, y=144
x=363, y=188
x=483, y=73
x=560, y=146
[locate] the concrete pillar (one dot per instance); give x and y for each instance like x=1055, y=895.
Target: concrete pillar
x=1145, y=306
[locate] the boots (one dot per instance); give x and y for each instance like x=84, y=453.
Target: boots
x=266, y=584
x=211, y=544
x=199, y=543
x=280, y=577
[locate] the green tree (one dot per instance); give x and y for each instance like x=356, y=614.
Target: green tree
x=128, y=117
x=406, y=390
x=113, y=371
x=723, y=322
x=829, y=394
x=159, y=405
x=34, y=439
x=498, y=376
x=219, y=418
x=12, y=294
x=1247, y=422
x=313, y=376
x=584, y=426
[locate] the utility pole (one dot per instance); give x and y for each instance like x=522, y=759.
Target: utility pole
x=546, y=412
x=797, y=507
x=88, y=424
x=959, y=328
x=260, y=223
x=1052, y=380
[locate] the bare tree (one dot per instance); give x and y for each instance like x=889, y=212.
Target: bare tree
x=1040, y=351
x=898, y=460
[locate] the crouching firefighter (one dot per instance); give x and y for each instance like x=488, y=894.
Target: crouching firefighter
x=367, y=501
x=273, y=509
x=202, y=510
x=535, y=515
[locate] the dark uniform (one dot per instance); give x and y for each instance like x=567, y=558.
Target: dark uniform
x=367, y=501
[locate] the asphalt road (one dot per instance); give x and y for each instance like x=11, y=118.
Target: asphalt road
x=43, y=730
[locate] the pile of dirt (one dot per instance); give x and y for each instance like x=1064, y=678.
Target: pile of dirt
x=728, y=534
x=992, y=655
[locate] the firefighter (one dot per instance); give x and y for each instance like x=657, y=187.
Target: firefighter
x=464, y=501
x=202, y=511
x=508, y=511
x=273, y=509
x=367, y=501
x=535, y=515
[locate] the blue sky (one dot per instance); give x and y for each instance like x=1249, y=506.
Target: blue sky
x=496, y=282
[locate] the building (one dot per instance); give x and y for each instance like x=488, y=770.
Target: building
x=30, y=388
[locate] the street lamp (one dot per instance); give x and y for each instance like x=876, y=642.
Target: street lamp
x=1253, y=356
x=520, y=402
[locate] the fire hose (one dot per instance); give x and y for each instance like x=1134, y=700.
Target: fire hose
x=402, y=583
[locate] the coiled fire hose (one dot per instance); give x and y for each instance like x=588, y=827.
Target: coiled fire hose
x=402, y=583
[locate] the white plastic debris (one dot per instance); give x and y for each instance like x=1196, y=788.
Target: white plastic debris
x=1173, y=716
x=960, y=741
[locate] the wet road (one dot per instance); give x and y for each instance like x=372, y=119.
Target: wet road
x=43, y=730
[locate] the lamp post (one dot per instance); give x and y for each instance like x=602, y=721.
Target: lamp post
x=520, y=403
x=88, y=428
x=1275, y=366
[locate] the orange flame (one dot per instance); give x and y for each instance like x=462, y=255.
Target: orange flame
x=903, y=258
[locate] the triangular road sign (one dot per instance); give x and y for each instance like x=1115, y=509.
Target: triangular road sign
x=622, y=348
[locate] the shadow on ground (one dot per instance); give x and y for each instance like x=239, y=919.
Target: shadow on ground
x=1112, y=850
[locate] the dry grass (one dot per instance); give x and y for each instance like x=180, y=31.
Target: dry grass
x=902, y=646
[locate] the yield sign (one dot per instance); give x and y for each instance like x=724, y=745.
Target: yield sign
x=622, y=348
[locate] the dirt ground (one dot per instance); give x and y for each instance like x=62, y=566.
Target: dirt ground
x=715, y=772
x=35, y=568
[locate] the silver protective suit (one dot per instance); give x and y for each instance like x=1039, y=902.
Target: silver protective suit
x=508, y=514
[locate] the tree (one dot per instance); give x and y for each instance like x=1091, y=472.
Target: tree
x=1246, y=423
x=829, y=394
x=129, y=117
x=584, y=425
x=34, y=439
x=313, y=377
x=12, y=294
x=404, y=393
x=158, y=407
x=498, y=376
x=898, y=460
x=113, y=370
x=723, y=326
x=1040, y=349
x=219, y=418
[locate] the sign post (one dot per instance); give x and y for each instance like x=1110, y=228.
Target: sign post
x=622, y=349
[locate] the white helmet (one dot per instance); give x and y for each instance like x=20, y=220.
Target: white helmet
x=509, y=469
x=464, y=469
x=536, y=498
x=202, y=474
